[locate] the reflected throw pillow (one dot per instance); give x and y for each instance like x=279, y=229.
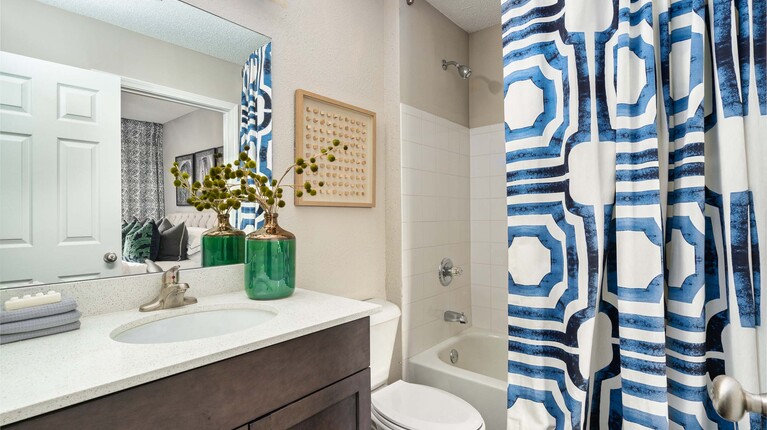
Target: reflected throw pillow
x=164, y=224
x=128, y=227
x=173, y=243
x=155, y=246
x=142, y=242
x=195, y=239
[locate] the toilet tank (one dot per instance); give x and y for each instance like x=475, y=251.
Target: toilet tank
x=383, y=332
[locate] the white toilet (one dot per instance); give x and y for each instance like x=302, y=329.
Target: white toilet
x=406, y=406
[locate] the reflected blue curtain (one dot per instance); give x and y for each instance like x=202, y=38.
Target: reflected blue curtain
x=256, y=125
x=635, y=138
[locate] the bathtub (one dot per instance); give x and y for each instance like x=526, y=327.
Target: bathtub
x=478, y=375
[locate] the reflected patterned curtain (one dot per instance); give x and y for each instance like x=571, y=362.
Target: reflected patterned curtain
x=256, y=125
x=636, y=139
x=142, y=170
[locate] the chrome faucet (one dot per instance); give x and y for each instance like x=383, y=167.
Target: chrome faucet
x=453, y=316
x=171, y=293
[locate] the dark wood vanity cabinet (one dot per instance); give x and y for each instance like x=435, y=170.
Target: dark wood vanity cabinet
x=318, y=381
x=338, y=406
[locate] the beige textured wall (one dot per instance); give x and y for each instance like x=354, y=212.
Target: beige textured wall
x=335, y=49
x=195, y=131
x=75, y=40
x=486, y=82
x=426, y=38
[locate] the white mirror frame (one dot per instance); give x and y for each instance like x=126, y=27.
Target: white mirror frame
x=230, y=111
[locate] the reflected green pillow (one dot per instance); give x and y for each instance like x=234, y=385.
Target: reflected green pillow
x=142, y=242
x=128, y=226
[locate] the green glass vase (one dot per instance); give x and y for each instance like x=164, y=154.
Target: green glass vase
x=223, y=244
x=270, y=261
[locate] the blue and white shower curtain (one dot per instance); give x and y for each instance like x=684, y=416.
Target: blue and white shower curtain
x=636, y=139
x=256, y=125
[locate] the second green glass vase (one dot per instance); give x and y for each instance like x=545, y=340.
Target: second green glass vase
x=270, y=261
x=223, y=244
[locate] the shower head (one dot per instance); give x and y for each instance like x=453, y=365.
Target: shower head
x=464, y=71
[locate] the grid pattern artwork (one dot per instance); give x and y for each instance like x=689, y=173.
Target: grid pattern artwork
x=350, y=180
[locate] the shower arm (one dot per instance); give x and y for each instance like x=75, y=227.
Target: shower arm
x=448, y=63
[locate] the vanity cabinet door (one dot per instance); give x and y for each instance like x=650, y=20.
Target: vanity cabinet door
x=343, y=405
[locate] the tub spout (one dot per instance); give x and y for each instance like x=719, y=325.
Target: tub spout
x=453, y=316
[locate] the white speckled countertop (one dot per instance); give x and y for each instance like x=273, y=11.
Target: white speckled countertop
x=44, y=374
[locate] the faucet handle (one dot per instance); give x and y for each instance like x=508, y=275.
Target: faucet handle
x=172, y=293
x=447, y=271
x=170, y=276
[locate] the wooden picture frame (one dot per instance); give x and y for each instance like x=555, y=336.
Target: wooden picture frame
x=185, y=164
x=351, y=180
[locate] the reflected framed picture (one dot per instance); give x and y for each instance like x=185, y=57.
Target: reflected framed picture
x=185, y=164
x=203, y=161
x=220, y=156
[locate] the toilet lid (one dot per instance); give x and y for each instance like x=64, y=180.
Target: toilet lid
x=420, y=407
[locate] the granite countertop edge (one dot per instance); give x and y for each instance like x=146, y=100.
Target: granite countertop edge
x=90, y=364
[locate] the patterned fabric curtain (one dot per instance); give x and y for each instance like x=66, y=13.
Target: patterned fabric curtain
x=636, y=139
x=142, y=170
x=256, y=125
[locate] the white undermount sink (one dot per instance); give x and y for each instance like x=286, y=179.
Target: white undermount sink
x=190, y=326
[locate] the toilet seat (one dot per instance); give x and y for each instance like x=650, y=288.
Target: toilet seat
x=406, y=406
x=382, y=423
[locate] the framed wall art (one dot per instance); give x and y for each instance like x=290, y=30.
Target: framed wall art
x=219, y=156
x=185, y=164
x=350, y=180
x=203, y=161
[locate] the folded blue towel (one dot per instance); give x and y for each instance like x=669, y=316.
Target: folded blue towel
x=36, y=324
x=65, y=305
x=8, y=338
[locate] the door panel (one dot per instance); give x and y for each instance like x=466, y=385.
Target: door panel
x=15, y=187
x=341, y=415
x=78, y=191
x=14, y=93
x=77, y=104
x=343, y=405
x=60, y=154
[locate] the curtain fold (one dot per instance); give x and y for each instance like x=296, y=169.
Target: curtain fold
x=256, y=126
x=142, y=170
x=635, y=136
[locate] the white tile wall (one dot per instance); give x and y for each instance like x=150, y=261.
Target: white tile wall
x=436, y=215
x=489, y=263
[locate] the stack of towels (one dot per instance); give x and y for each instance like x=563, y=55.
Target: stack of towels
x=37, y=321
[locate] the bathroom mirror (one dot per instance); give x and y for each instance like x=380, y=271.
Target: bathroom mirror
x=98, y=98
